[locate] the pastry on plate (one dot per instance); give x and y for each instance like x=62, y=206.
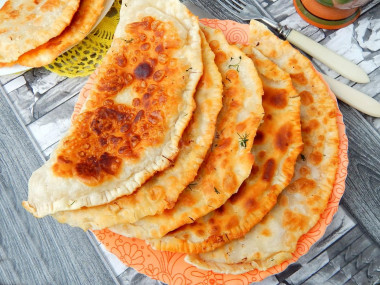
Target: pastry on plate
x=302, y=202
x=27, y=24
x=131, y=124
x=276, y=147
x=162, y=190
x=229, y=160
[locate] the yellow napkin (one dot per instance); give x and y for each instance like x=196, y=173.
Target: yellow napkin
x=82, y=59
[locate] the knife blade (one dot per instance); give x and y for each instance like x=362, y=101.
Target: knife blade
x=347, y=94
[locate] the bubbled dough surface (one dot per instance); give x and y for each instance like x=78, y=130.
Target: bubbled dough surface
x=26, y=24
x=162, y=190
x=121, y=175
x=276, y=146
x=228, y=163
x=300, y=205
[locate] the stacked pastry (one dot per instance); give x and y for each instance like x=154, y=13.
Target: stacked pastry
x=34, y=33
x=195, y=145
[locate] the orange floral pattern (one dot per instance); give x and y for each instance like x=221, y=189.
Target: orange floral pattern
x=171, y=267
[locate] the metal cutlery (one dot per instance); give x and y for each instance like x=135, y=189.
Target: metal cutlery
x=347, y=94
x=353, y=97
x=247, y=10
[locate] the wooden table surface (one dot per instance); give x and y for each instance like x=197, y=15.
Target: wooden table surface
x=42, y=251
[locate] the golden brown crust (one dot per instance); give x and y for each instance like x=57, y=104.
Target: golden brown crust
x=162, y=190
x=276, y=146
x=81, y=24
x=27, y=24
x=7, y=64
x=300, y=205
x=229, y=160
x=130, y=126
x=109, y=133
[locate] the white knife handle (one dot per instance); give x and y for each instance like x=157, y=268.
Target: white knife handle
x=353, y=97
x=328, y=57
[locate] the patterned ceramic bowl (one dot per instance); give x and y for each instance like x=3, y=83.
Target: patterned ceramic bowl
x=329, y=14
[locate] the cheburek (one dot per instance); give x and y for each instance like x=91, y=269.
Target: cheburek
x=27, y=24
x=161, y=191
x=276, y=147
x=133, y=119
x=300, y=205
x=81, y=24
x=229, y=160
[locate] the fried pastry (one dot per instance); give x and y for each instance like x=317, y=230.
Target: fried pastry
x=162, y=191
x=300, y=205
x=133, y=119
x=81, y=24
x=229, y=161
x=27, y=24
x=276, y=147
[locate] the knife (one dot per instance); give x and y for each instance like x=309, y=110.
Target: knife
x=331, y=59
x=347, y=94
x=353, y=97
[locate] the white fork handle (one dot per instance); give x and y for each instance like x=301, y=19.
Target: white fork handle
x=353, y=97
x=328, y=57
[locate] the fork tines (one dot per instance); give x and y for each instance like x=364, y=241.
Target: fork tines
x=232, y=8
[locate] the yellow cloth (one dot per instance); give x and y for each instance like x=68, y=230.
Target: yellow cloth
x=82, y=59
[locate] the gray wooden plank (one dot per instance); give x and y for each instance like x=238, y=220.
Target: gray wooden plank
x=357, y=42
x=370, y=6
x=53, y=125
x=270, y=280
x=214, y=9
x=14, y=83
x=132, y=277
x=354, y=267
x=57, y=96
x=336, y=231
x=372, y=88
x=339, y=258
x=360, y=266
x=323, y=250
x=22, y=99
x=281, y=9
x=330, y=268
x=42, y=80
x=6, y=78
x=36, y=251
x=370, y=274
x=363, y=277
x=362, y=194
x=342, y=262
x=7, y=271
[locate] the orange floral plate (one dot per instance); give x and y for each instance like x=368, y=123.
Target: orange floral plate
x=170, y=267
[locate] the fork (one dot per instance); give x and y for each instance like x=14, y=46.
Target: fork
x=246, y=11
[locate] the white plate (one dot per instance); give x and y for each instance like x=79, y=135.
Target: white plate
x=20, y=68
